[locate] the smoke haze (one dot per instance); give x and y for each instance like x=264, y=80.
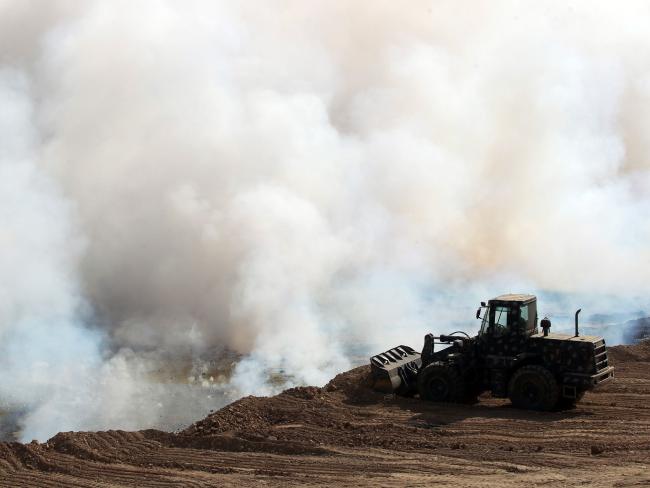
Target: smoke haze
x=299, y=182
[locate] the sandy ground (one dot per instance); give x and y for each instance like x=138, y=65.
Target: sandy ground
x=344, y=434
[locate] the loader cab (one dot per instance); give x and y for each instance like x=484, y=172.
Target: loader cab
x=509, y=315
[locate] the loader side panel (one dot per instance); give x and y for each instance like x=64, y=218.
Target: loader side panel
x=577, y=361
x=567, y=356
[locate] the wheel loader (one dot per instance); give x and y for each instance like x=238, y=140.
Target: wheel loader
x=508, y=357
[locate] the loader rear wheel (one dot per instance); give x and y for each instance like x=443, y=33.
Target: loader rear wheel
x=533, y=388
x=438, y=382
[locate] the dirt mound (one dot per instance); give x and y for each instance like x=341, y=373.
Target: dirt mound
x=356, y=385
x=637, y=352
x=345, y=433
x=305, y=416
x=302, y=404
x=309, y=416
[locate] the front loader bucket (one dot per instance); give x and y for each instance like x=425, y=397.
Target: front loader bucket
x=396, y=370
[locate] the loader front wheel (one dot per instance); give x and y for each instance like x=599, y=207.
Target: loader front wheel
x=440, y=383
x=533, y=388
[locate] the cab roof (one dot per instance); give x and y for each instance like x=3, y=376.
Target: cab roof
x=514, y=297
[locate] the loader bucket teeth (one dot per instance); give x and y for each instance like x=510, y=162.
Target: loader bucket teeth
x=395, y=371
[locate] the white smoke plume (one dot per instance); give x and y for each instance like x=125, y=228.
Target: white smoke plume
x=298, y=182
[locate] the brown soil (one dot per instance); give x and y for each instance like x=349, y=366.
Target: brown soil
x=345, y=434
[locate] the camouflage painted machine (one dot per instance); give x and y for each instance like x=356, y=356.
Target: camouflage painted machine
x=509, y=357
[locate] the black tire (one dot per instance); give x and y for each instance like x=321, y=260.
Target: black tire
x=438, y=382
x=533, y=388
x=566, y=403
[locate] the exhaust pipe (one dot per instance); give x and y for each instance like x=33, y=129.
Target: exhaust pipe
x=577, y=312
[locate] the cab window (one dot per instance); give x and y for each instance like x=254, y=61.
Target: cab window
x=500, y=320
x=524, y=313
x=532, y=316
x=525, y=324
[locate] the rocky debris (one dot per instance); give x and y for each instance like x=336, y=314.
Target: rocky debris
x=595, y=450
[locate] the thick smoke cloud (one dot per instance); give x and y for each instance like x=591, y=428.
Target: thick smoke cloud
x=300, y=182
